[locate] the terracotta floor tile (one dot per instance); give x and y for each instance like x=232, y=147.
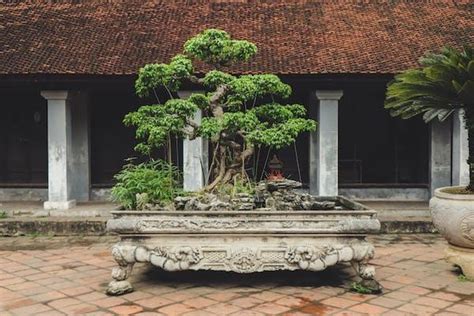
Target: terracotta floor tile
x=386, y=302
x=153, y=302
x=338, y=302
x=62, y=302
x=317, y=309
x=418, y=309
x=246, y=302
x=126, y=309
x=396, y=313
x=433, y=302
x=267, y=296
x=16, y=303
x=137, y=295
x=271, y=308
x=75, y=291
x=223, y=296
x=222, y=309
x=30, y=309
x=415, y=290
x=291, y=301
x=400, y=295
x=460, y=308
x=108, y=302
x=199, y=302
x=175, y=309
x=248, y=313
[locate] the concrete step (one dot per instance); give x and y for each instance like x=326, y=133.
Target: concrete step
x=96, y=226
x=53, y=226
x=89, y=219
x=411, y=225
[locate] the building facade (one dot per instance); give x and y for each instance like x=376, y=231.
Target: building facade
x=67, y=73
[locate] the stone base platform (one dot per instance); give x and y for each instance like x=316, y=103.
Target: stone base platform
x=462, y=257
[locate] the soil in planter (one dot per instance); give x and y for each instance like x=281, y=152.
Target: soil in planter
x=457, y=190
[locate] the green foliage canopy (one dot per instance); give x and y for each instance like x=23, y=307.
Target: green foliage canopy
x=226, y=119
x=217, y=48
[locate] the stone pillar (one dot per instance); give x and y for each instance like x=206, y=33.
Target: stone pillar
x=323, y=161
x=460, y=175
x=59, y=151
x=440, y=155
x=195, y=155
x=80, y=164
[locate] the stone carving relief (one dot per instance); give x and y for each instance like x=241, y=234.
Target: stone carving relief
x=244, y=261
x=467, y=227
x=155, y=225
x=228, y=257
x=317, y=259
x=170, y=259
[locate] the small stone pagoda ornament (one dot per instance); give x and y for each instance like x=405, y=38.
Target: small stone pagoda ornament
x=275, y=167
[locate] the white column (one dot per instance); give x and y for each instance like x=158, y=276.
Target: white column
x=460, y=175
x=323, y=162
x=59, y=151
x=195, y=155
x=80, y=164
x=440, y=154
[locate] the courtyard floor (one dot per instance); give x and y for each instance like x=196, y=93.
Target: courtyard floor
x=68, y=276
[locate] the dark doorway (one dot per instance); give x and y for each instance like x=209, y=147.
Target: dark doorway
x=376, y=149
x=23, y=139
x=112, y=143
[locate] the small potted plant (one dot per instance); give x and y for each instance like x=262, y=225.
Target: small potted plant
x=443, y=85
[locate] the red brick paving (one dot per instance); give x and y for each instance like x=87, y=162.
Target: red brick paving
x=60, y=276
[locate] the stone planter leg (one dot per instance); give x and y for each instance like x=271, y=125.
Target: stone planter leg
x=119, y=285
x=367, y=273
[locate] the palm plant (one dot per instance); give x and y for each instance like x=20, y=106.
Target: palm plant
x=443, y=84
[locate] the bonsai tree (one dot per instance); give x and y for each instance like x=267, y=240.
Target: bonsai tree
x=443, y=84
x=236, y=117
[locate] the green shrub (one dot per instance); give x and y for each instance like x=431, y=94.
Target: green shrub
x=154, y=182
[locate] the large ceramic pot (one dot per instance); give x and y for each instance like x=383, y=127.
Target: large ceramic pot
x=453, y=216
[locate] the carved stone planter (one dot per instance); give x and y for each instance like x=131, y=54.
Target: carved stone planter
x=453, y=215
x=243, y=241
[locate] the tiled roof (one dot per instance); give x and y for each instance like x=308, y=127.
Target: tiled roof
x=293, y=37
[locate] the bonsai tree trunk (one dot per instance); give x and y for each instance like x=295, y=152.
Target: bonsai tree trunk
x=229, y=165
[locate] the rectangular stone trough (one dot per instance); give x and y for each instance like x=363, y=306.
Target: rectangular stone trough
x=243, y=241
